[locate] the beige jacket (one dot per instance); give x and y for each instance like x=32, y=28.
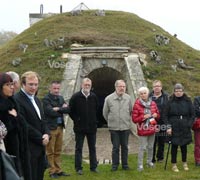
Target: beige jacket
x=117, y=111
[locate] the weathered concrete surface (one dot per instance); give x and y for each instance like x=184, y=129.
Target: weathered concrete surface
x=118, y=60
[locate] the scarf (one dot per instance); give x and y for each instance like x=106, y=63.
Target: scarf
x=147, y=108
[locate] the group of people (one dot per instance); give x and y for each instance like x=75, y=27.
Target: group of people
x=33, y=128
x=27, y=132
x=161, y=118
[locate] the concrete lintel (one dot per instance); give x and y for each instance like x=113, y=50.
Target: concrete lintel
x=101, y=48
x=113, y=49
x=98, y=51
x=104, y=55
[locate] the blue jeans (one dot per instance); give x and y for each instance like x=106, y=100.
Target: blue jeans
x=91, y=139
x=119, y=138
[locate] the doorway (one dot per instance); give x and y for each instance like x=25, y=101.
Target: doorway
x=103, y=80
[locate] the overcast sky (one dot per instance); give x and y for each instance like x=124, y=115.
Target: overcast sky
x=175, y=16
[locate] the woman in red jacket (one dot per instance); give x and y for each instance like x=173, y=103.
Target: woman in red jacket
x=145, y=114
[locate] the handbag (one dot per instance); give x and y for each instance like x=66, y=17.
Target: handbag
x=196, y=124
x=9, y=171
x=3, y=130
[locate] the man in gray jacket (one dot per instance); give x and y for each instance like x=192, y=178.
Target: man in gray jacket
x=117, y=112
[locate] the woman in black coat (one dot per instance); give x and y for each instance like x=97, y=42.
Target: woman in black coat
x=179, y=117
x=16, y=143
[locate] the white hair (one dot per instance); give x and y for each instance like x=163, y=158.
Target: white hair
x=13, y=75
x=143, y=89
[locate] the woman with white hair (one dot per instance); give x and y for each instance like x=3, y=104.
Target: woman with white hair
x=16, y=80
x=145, y=114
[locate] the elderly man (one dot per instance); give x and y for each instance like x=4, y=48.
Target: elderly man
x=83, y=111
x=117, y=112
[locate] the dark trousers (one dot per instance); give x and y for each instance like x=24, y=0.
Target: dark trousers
x=13, y=148
x=174, y=153
x=197, y=146
x=158, y=147
x=37, y=166
x=119, y=138
x=91, y=140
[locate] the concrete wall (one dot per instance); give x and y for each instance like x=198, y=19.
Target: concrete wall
x=81, y=64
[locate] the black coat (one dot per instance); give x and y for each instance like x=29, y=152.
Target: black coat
x=49, y=102
x=16, y=140
x=36, y=126
x=161, y=103
x=83, y=112
x=179, y=115
x=197, y=106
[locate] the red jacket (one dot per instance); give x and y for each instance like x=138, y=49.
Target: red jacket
x=138, y=118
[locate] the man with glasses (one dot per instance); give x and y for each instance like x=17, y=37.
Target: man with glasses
x=83, y=111
x=161, y=98
x=38, y=132
x=117, y=112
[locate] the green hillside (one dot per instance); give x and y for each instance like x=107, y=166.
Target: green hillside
x=115, y=29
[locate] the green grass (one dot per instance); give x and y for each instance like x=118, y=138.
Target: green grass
x=157, y=173
x=115, y=29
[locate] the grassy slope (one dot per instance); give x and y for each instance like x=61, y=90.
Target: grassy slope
x=115, y=29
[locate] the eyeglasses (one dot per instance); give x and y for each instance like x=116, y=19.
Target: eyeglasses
x=87, y=84
x=32, y=84
x=121, y=86
x=178, y=91
x=10, y=84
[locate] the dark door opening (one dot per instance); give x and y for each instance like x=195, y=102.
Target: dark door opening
x=103, y=80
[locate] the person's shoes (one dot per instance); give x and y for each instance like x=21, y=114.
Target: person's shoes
x=63, y=174
x=160, y=160
x=126, y=168
x=94, y=170
x=54, y=176
x=150, y=165
x=185, y=166
x=197, y=164
x=174, y=168
x=114, y=169
x=80, y=172
x=140, y=168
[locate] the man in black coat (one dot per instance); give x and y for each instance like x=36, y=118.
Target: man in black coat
x=30, y=109
x=83, y=111
x=54, y=108
x=161, y=99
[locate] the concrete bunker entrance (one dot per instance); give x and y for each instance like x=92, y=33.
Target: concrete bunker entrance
x=103, y=80
x=103, y=65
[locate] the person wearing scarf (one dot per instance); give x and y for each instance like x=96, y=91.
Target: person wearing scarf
x=145, y=114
